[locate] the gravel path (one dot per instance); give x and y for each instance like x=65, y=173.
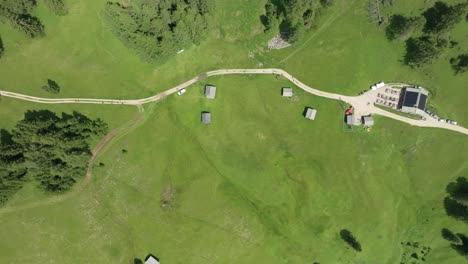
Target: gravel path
x=363, y=104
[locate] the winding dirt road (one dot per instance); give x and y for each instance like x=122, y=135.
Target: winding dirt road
x=363, y=104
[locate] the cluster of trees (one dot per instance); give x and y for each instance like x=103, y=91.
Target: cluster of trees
x=291, y=17
x=18, y=14
x=456, y=206
x=456, y=202
x=460, y=63
x=441, y=18
x=57, y=7
x=459, y=242
x=400, y=28
x=52, y=150
x=51, y=87
x=156, y=30
x=434, y=24
x=423, y=50
x=348, y=237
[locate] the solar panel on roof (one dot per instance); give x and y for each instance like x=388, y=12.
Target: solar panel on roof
x=410, y=99
x=422, y=101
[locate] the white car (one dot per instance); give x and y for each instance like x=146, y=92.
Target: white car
x=181, y=92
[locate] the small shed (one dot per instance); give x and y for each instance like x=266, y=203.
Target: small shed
x=349, y=120
x=210, y=91
x=287, y=92
x=206, y=118
x=151, y=260
x=310, y=113
x=352, y=120
x=368, y=120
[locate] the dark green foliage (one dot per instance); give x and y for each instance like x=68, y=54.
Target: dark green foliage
x=459, y=189
x=449, y=236
x=462, y=248
x=456, y=206
x=52, y=87
x=50, y=149
x=17, y=13
x=156, y=30
x=292, y=17
x=30, y=25
x=460, y=65
x=455, y=203
x=436, y=22
x=327, y=3
x=12, y=173
x=348, y=237
x=456, y=209
x=401, y=28
x=17, y=6
x=453, y=44
x=56, y=6
x=271, y=18
x=56, y=148
x=442, y=17
x=423, y=50
x=2, y=48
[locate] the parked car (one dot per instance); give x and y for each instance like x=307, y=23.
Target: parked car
x=423, y=118
x=441, y=120
x=181, y=92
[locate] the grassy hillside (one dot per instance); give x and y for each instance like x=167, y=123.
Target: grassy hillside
x=259, y=185
x=260, y=182
x=343, y=52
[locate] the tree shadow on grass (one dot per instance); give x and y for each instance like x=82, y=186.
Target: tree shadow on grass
x=39, y=115
x=459, y=189
x=456, y=209
x=462, y=248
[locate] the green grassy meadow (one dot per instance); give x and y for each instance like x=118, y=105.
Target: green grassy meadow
x=260, y=184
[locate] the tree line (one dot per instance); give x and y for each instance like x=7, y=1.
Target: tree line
x=49, y=149
x=456, y=206
x=292, y=18
x=427, y=36
x=18, y=13
x=156, y=30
